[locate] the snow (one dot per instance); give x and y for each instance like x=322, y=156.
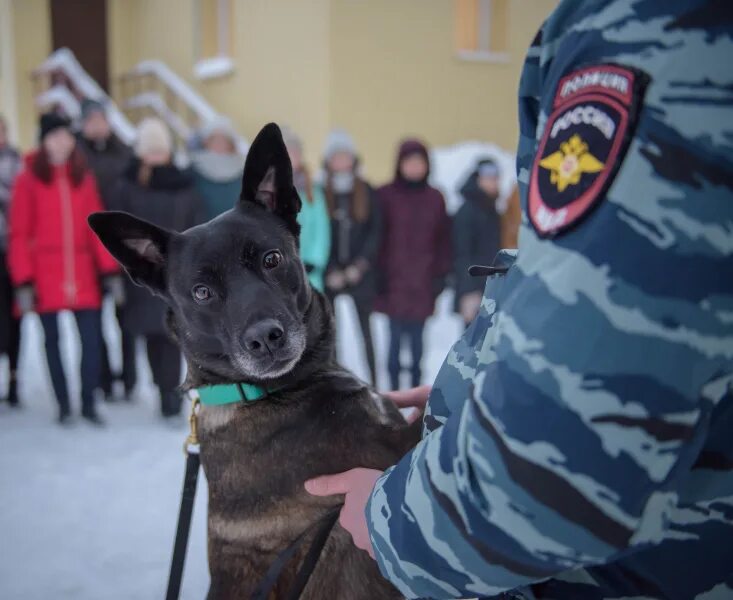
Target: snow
x=211, y=68
x=91, y=514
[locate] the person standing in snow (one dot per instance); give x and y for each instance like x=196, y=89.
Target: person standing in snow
x=154, y=189
x=476, y=235
x=217, y=166
x=415, y=255
x=356, y=226
x=56, y=262
x=107, y=157
x=10, y=164
x=315, y=230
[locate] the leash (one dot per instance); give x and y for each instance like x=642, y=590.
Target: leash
x=266, y=585
x=269, y=581
x=193, y=460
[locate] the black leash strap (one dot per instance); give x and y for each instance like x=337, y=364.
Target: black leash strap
x=184, y=524
x=269, y=581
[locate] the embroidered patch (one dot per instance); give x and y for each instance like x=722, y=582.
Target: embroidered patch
x=583, y=144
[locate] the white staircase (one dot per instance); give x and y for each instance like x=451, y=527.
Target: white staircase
x=151, y=88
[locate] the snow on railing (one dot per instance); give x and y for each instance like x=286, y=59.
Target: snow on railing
x=62, y=96
x=203, y=111
x=64, y=61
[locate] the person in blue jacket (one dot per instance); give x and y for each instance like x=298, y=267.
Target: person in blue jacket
x=217, y=166
x=315, y=227
x=577, y=441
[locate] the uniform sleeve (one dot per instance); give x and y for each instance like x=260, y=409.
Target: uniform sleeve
x=598, y=379
x=21, y=244
x=105, y=263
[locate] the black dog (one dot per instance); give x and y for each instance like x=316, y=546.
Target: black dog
x=243, y=312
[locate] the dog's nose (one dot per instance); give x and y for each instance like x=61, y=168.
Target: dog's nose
x=264, y=337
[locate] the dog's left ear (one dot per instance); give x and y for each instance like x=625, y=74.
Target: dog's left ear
x=268, y=177
x=140, y=247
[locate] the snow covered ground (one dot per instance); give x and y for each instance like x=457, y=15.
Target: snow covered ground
x=91, y=514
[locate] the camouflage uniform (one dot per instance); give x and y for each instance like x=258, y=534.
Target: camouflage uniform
x=578, y=442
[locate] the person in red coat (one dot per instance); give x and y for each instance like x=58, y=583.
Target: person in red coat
x=56, y=262
x=415, y=254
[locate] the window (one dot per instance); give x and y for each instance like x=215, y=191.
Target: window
x=213, y=38
x=482, y=29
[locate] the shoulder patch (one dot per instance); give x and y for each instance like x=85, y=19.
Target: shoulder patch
x=594, y=115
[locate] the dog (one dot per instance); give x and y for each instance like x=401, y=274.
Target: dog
x=242, y=311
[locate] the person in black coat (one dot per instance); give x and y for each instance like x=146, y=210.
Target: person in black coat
x=107, y=157
x=10, y=165
x=476, y=235
x=153, y=189
x=355, y=234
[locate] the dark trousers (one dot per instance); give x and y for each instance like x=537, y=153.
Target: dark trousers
x=129, y=373
x=165, y=363
x=89, y=324
x=398, y=330
x=9, y=329
x=363, y=312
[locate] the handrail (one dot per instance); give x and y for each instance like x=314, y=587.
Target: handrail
x=178, y=86
x=174, y=90
x=64, y=61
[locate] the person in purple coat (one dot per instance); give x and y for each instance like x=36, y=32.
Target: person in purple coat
x=415, y=255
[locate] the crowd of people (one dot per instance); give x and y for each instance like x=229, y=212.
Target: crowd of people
x=391, y=249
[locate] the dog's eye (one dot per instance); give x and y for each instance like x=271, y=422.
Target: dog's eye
x=201, y=293
x=272, y=259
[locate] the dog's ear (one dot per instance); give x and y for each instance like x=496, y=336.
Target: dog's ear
x=140, y=247
x=268, y=177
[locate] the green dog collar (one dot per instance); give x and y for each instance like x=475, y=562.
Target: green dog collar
x=230, y=393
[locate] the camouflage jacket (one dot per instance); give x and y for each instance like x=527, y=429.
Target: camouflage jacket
x=578, y=441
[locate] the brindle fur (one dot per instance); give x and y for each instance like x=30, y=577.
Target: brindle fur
x=319, y=420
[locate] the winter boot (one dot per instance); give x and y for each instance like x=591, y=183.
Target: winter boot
x=13, y=391
x=170, y=403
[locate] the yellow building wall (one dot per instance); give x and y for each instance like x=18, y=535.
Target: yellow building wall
x=395, y=73
x=282, y=74
x=383, y=69
x=31, y=45
x=280, y=49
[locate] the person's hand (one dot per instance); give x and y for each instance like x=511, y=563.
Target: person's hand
x=414, y=398
x=114, y=285
x=357, y=486
x=25, y=298
x=469, y=305
x=335, y=280
x=353, y=274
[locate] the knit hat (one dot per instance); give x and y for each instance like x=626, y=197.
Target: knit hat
x=89, y=107
x=152, y=136
x=220, y=125
x=50, y=122
x=487, y=168
x=338, y=140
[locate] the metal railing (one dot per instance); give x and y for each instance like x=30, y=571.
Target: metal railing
x=152, y=88
x=61, y=82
